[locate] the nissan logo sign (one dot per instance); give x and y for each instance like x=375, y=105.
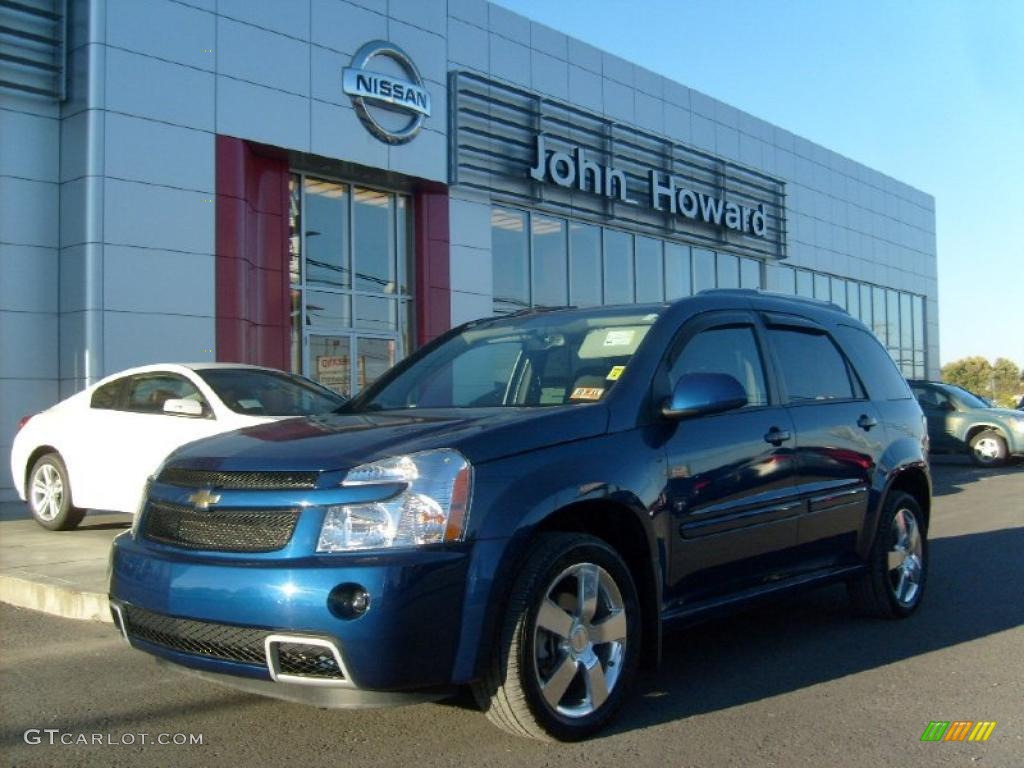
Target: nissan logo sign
x=371, y=90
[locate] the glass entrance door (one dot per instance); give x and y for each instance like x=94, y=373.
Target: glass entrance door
x=349, y=280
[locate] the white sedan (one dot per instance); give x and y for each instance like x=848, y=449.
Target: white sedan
x=96, y=449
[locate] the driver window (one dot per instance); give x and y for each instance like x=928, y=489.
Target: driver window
x=732, y=351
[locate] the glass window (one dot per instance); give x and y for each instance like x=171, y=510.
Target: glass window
x=892, y=325
x=811, y=366
x=147, y=393
x=294, y=229
x=295, y=318
x=878, y=314
x=585, y=267
x=402, y=224
x=649, y=277
x=906, y=323
x=822, y=287
x=853, y=299
x=328, y=310
x=550, y=271
x=732, y=351
x=917, y=310
x=480, y=377
x=703, y=270
x=330, y=360
x=373, y=358
x=728, y=271
x=839, y=292
x=781, y=279
x=750, y=273
x=511, y=260
x=677, y=271
x=327, y=231
x=873, y=364
x=373, y=214
x=804, y=283
x=375, y=313
x=865, y=305
x=105, y=397
x=618, y=267
x=268, y=393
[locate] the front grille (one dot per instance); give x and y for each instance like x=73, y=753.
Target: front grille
x=219, y=530
x=238, y=481
x=244, y=645
x=199, y=638
x=307, y=661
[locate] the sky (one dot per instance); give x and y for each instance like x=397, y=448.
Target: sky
x=930, y=92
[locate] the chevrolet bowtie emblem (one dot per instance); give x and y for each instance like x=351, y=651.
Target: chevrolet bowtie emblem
x=203, y=499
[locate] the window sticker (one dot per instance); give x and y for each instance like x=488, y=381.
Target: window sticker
x=620, y=338
x=615, y=372
x=249, y=404
x=587, y=393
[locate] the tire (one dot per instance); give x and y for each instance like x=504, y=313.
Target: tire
x=988, y=449
x=530, y=658
x=49, y=495
x=894, y=582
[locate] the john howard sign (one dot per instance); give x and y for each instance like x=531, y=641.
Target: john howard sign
x=527, y=149
x=569, y=169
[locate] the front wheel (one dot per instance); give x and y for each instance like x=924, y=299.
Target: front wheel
x=893, y=584
x=569, y=643
x=49, y=495
x=988, y=448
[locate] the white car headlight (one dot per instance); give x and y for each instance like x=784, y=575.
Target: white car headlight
x=431, y=509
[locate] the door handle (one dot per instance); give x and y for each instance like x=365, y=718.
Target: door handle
x=866, y=422
x=777, y=436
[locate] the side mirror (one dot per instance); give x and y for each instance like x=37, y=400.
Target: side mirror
x=701, y=394
x=180, y=407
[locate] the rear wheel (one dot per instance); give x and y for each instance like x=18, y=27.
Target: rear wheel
x=49, y=495
x=569, y=643
x=894, y=582
x=988, y=448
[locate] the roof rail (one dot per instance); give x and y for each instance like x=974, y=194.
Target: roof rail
x=772, y=295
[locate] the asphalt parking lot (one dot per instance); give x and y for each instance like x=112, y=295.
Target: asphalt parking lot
x=798, y=683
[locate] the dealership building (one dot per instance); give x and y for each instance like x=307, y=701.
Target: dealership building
x=323, y=186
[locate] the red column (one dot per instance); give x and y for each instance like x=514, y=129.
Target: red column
x=252, y=285
x=433, y=297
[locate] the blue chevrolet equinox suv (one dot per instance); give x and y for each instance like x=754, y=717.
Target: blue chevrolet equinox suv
x=525, y=504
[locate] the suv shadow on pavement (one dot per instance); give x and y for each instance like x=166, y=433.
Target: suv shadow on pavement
x=804, y=641
x=951, y=473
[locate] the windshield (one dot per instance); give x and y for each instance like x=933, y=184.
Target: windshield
x=255, y=392
x=536, y=360
x=969, y=399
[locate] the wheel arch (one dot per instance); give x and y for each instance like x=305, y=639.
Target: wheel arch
x=33, y=457
x=976, y=429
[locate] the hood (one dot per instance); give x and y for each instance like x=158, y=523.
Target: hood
x=342, y=441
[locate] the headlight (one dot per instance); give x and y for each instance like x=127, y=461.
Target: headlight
x=431, y=509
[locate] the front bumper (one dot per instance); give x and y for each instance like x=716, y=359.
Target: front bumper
x=406, y=641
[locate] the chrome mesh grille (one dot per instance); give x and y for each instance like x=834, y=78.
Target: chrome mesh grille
x=240, y=481
x=219, y=530
x=307, y=661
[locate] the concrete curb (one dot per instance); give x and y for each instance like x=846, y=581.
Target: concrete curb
x=54, y=599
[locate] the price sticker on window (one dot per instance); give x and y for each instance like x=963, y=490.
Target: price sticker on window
x=587, y=393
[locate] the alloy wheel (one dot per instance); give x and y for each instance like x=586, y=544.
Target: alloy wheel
x=906, y=558
x=47, y=492
x=579, y=640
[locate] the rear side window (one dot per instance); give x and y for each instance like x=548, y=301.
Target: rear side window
x=876, y=369
x=730, y=350
x=811, y=366
x=105, y=397
x=147, y=394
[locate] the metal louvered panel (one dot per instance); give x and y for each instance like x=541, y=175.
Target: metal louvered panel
x=494, y=127
x=33, y=47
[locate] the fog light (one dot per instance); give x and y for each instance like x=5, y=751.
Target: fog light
x=348, y=601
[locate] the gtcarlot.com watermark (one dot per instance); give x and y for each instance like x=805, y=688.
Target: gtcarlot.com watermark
x=57, y=737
